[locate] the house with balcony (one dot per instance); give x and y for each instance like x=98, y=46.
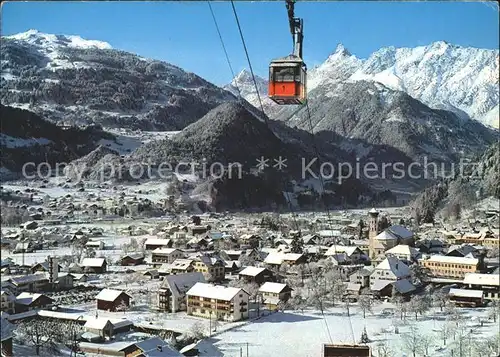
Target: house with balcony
x=275, y=293
x=172, y=292
x=213, y=268
x=256, y=275
x=161, y=256
x=218, y=302
x=8, y=300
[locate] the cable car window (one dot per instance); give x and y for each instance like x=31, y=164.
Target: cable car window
x=287, y=74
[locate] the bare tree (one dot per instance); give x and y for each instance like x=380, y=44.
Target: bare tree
x=40, y=334
x=428, y=342
x=196, y=331
x=412, y=341
x=401, y=306
x=122, y=306
x=440, y=299
x=418, y=305
x=365, y=304
x=384, y=350
x=298, y=302
x=494, y=311
x=445, y=332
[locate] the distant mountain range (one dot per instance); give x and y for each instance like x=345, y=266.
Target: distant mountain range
x=399, y=105
x=464, y=80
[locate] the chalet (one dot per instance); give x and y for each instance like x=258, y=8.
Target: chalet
x=151, y=347
x=389, y=270
x=8, y=300
x=213, y=268
x=232, y=266
x=362, y=276
x=112, y=300
x=180, y=266
x=42, y=268
x=273, y=294
x=198, y=243
x=106, y=328
x=353, y=254
x=256, y=275
x=223, y=303
x=233, y=254
x=132, y=259
x=277, y=259
x=28, y=301
x=197, y=230
x=155, y=243
x=249, y=239
x=172, y=293
x=94, y=265
x=152, y=273
x=29, y=283
x=488, y=283
x=387, y=288
x=311, y=239
x=466, y=297
x=165, y=255
x=95, y=244
x=403, y=252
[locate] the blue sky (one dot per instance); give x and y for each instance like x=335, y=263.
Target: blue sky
x=183, y=33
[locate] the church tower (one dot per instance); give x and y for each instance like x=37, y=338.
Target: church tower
x=372, y=230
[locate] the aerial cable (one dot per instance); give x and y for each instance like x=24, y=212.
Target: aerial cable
x=287, y=196
x=323, y=193
x=224, y=47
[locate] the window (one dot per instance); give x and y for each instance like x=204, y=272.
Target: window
x=287, y=74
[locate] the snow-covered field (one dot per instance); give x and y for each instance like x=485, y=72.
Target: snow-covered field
x=303, y=335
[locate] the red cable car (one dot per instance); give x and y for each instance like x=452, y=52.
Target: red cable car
x=288, y=75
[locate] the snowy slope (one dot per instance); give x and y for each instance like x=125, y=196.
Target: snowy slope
x=72, y=80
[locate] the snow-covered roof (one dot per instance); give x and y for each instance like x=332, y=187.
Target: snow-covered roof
x=204, y=349
x=251, y=271
x=93, y=262
x=27, y=298
x=156, y=347
x=97, y=323
x=181, y=263
x=279, y=258
x=373, y=210
x=157, y=241
x=482, y=279
x=398, y=268
x=165, y=250
x=109, y=294
x=386, y=235
x=214, y=291
x=179, y=284
x=17, y=280
x=380, y=284
x=466, y=293
x=452, y=260
x=335, y=249
x=401, y=231
x=403, y=249
x=269, y=287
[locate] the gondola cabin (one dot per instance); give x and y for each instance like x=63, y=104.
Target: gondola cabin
x=287, y=80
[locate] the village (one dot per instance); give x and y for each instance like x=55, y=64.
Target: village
x=127, y=271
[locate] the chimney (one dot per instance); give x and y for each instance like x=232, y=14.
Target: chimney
x=159, y=348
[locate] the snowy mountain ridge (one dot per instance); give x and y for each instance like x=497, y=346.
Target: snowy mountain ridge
x=464, y=80
x=41, y=39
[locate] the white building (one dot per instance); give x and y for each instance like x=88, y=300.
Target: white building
x=216, y=301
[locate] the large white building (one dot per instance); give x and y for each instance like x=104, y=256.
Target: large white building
x=217, y=301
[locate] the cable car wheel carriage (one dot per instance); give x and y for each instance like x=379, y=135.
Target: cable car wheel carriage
x=288, y=75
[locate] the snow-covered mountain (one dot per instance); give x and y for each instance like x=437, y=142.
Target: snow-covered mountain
x=73, y=80
x=464, y=80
